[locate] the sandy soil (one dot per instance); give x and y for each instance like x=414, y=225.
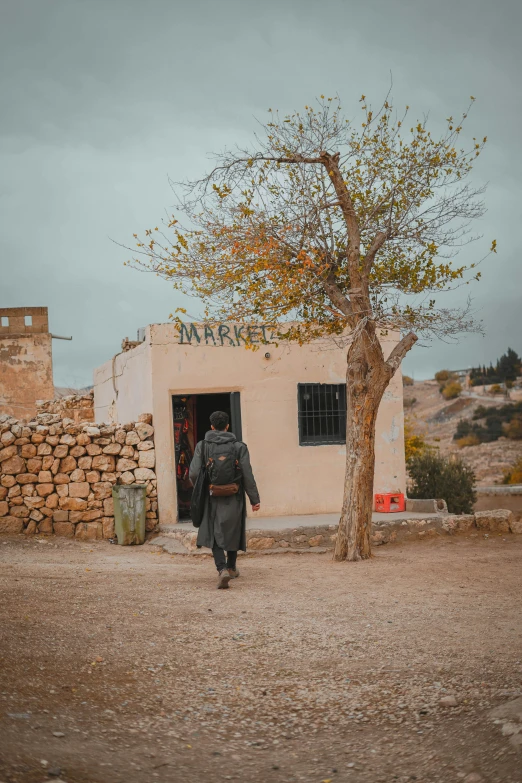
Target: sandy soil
x=128, y=665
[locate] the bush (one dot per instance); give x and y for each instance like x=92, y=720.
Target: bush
x=449, y=478
x=409, y=402
x=514, y=474
x=513, y=430
x=414, y=444
x=451, y=390
x=442, y=376
x=468, y=440
x=496, y=389
x=407, y=381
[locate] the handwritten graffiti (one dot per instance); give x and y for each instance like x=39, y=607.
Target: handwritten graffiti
x=224, y=334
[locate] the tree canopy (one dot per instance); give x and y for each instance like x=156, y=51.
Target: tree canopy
x=325, y=223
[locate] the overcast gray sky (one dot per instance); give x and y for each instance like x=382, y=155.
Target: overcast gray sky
x=101, y=100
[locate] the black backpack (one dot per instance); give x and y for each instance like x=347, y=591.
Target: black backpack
x=222, y=464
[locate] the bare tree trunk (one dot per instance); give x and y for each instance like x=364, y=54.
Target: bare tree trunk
x=365, y=386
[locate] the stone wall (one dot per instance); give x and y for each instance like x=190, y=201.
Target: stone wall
x=56, y=475
x=505, y=496
x=389, y=529
x=78, y=407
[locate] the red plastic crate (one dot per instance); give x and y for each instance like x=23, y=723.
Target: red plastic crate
x=389, y=502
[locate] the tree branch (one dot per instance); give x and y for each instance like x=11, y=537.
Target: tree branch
x=399, y=352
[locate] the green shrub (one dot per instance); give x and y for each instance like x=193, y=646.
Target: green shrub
x=407, y=381
x=449, y=478
x=495, y=389
x=442, y=376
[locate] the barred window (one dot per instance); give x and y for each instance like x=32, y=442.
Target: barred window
x=321, y=413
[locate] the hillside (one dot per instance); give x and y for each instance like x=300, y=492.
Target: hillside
x=437, y=419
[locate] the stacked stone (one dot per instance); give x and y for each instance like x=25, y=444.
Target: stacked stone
x=78, y=407
x=56, y=475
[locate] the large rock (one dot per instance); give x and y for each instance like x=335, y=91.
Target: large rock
x=145, y=418
x=127, y=478
x=45, y=489
x=85, y=463
x=73, y=504
x=458, y=523
x=61, y=451
x=145, y=431
x=144, y=474
x=92, y=476
x=63, y=529
x=11, y=525
x=102, y=490
x=13, y=465
x=51, y=501
x=112, y=448
x=61, y=516
x=147, y=459
x=45, y=477
x=108, y=527
x=497, y=521
x=7, y=453
x=93, y=449
x=91, y=515
x=20, y=511
x=34, y=502
x=261, y=543
x=145, y=445
x=4, y=508
x=103, y=462
x=28, y=451
x=126, y=464
x=77, y=475
x=61, y=478
x=7, y=438
x=46, y=526
x=88, y=531
x=68, y=464
x=108, y=507
x=79, y=489
x=44, y=449
x=132, y=438
x=27, y=478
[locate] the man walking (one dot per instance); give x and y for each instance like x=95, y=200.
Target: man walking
x=223, y=527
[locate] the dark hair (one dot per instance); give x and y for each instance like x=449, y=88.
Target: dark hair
x=219, y=420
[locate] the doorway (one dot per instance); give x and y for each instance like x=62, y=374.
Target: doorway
x=191, y=414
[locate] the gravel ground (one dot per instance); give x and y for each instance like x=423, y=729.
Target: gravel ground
x=128, y=665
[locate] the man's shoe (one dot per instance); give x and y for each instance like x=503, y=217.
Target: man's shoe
x=223, y=579
x=234, y=573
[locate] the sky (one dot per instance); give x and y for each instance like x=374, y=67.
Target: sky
x=103, y=100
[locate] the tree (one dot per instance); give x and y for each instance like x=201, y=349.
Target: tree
x=509, y=365
x=324, y=228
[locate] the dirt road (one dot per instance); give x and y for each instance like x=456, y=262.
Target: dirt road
x=125, y=664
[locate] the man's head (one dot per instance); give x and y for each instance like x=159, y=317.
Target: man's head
x=219, y=420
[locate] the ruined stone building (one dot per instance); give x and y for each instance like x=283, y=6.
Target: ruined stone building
x=26, y=363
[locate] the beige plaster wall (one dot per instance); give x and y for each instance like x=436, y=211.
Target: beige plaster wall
x=123, y=386
x=292, y=479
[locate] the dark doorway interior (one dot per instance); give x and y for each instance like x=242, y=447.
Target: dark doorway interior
x=206, y=404
x=191, y=414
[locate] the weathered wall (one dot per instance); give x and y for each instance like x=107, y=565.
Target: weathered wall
x=123, y=386
x=26, y=367
x=292, y=479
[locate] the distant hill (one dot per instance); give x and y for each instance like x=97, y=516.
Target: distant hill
x=436, y=418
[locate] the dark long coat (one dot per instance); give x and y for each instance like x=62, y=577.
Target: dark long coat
x=224, y=519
